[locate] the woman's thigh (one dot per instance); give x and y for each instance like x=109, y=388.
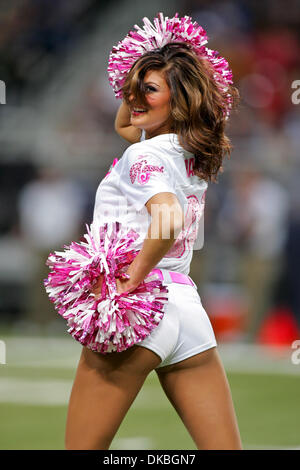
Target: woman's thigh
x=199, y=391
x=104, y=388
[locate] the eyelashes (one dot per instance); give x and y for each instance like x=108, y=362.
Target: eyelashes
x=150, y=88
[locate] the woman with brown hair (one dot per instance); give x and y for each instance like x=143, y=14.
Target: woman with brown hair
x=176, y=100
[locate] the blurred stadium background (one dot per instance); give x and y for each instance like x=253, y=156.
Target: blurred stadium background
x=57, y=142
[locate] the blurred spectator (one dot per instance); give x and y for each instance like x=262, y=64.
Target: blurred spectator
x=287, y=290
x=254, y=219
x=51, y=211
x=276, y=53
x=16, y=268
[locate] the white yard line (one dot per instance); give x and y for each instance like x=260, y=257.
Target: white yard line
x=56, y=392
x=132, y=443
x=34, y=392
x=269, y=447
x=53, y=352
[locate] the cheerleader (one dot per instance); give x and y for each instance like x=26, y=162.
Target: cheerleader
x=177, y=95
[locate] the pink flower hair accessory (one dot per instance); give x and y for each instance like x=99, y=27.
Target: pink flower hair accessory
x=154, y=36
x=113, y=322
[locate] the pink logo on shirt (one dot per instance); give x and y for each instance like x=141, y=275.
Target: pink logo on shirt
x=142, y=170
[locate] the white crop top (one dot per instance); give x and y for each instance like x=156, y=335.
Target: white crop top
x=146, y=168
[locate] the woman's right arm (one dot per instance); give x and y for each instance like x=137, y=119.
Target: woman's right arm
x=124, y=128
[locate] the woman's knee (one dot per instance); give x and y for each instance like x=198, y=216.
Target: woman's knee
x=84, y=442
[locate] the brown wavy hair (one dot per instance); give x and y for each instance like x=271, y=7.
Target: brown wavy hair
x=197, y=103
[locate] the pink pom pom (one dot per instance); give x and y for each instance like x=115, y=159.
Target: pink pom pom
x=150, y=37
x=115, y=321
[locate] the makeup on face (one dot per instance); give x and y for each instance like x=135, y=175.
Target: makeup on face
x=155, y=118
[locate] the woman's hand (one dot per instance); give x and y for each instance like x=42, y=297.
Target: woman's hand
x=96, y=289
x=123, y=125
x=123, y=285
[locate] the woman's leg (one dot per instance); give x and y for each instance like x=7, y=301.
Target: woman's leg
x=104, y=388
x=199, y=391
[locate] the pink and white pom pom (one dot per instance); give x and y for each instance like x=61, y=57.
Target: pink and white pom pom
x=150, y=37
x=113, y=322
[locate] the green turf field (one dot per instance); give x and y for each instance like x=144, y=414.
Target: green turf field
x=34, y=391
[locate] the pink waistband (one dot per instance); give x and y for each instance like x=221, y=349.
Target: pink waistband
x=174, y=276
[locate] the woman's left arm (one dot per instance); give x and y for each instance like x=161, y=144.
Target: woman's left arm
x=166, y=224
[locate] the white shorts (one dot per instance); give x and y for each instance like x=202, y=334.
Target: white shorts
x=185, y=329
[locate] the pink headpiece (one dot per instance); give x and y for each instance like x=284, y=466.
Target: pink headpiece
x=164, y=31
